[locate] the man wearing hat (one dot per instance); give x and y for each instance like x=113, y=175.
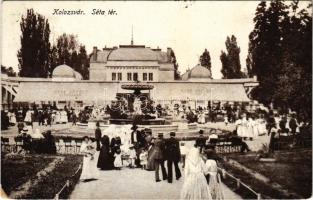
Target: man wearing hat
x=134, y=134
x=173, y=156
x=158, y=156
x=200, y=141
x=98, y=136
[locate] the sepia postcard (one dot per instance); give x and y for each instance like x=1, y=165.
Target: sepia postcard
x=156, y=99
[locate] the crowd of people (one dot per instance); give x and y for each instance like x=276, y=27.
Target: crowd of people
x=133, y=148
x=142, y=150
x=37, y=142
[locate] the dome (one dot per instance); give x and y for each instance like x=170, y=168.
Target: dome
x=200, y=72
x=63, y=71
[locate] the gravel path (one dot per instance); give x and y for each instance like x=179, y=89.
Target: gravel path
x=132, y=184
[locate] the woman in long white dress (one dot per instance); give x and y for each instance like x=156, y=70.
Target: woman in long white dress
x=239, y=127
x=261, y=125
x=244, y=126
x=195, y=185
x=214, y=182
x=87, y=149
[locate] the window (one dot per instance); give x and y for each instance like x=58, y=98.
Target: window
x=150, y=76
x=113, y=76
x=135, y=76
x=119, y=76
x=144, y=77
x=129, y=76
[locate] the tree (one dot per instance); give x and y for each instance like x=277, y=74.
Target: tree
x=174, y=61
x=294, y=87
x=231, y=67
x=54, y=59
x=11, y=72
x=205, y=59
x=83, y=62
x=69, y=51
x=280, y=54
x=33, y=55
x=8, y=71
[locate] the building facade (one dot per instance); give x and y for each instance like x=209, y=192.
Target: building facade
x=110, y=68
x=131, y=63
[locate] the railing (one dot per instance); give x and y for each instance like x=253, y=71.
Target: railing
x=239, y=182
x=67, y=185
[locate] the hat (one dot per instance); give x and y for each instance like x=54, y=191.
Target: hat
x=160, y=134
x=172, y=133
x=134, y=127
x=201, y=132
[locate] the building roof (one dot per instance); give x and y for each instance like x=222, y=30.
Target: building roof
x=130, y=53
x=102, y=56
x=200, y=72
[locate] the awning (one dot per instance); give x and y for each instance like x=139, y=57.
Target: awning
x=199, y=91
x=106, y=91
x=9, y=89
x=65, y=91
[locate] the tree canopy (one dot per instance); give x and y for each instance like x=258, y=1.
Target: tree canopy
x=33, y=55
x=205, y=59
x=231, y=67
x=69, y=51
x=280, y=54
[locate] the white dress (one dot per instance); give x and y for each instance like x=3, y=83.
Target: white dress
x=261, y=125
x=251, y=128
x=118, y=160
x=239, y=128
x=143, y=158
x=214, y=183
x=12, y=118
x=245, y=129
x=88, y=166
x=195, y=185
x=28, y=116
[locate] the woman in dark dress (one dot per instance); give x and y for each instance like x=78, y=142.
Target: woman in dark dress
x=105, y=160
x=150, y=160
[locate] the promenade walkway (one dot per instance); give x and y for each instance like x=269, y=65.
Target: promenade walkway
x=132, y=184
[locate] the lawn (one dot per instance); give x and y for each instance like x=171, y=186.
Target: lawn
x=16, y=171
x=292, y=170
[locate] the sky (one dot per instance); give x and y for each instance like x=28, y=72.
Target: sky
x=187, y=27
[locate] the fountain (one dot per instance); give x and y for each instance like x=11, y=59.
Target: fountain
x=136, y=108
x=139, y=108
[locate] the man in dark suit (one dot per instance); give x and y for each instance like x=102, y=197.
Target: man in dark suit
x=173, y=156
x=158, y=156
x=134, y=134
x=98, y=136
x=200, y=141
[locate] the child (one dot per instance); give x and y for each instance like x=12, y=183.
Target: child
x=132, y=156
x=118, y=159
x=183, y=153
x=143, y=159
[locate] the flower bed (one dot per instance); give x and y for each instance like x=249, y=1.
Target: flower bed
x=292, y=170
x=16, y=173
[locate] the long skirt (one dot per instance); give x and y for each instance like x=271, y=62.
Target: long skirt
x=195, y=187
x=87, y=170
x=215, y=187
x=105, y=160
x=150, y=160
